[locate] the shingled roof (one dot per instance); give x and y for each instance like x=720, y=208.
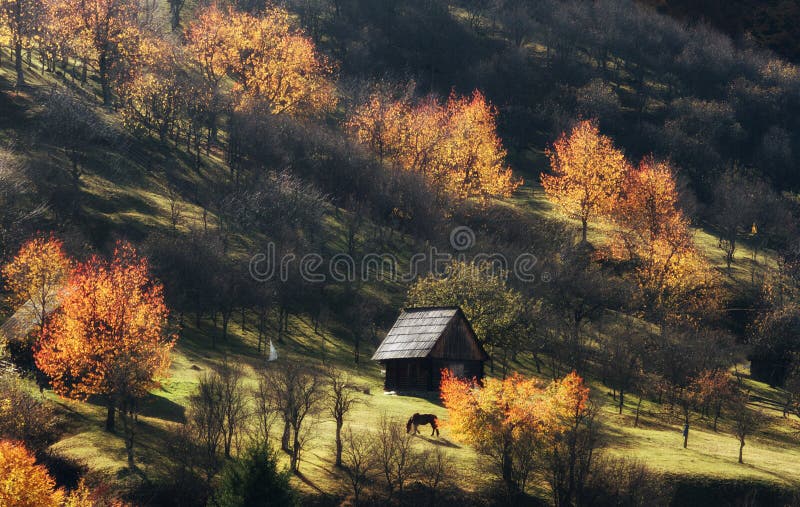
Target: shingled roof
x=415, y=333
x=22, y=322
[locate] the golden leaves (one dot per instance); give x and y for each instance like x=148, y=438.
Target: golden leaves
x=512, y=410
x=271, y=62
x=587, y=173
x=454, y=145
x=23, y=483
x=591, y=179
x=35, y=276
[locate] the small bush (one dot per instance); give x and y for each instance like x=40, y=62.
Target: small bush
x=254, y=480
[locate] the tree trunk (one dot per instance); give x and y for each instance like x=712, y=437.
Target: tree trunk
x=103, y=75
x=584, y=228
x=18, y=63
x=638, y=407
x=285, y=438
x=128, y=423
x=621, y=400
x=339, y=424
x=741, y=446
x=110, y=415
x=295, y=458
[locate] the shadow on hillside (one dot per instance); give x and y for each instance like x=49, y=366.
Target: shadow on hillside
x=160, y=407
x=152, y=405
x=441, y=442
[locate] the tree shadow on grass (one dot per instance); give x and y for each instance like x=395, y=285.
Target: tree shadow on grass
x=152, y=405
x=160, y=407
x=308, y=482
x=442, y=442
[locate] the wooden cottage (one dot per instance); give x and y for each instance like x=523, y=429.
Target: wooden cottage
x=422, y=342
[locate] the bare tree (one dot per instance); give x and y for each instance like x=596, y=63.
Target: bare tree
x=233, y=405
x=396, y=457
x=436, y=470
x=207, y=421
x=73, y=126
x=341, y=397
x=264, y=410
x=295, y=392
x=359, y=461
x=746, y=421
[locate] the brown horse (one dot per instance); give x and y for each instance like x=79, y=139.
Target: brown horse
x=420, y=420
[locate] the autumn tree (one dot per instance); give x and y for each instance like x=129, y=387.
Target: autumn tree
x=714, y=389
x=35, y=277
x=277, y=64
x=571, y=438
x=22, y=20
x=207, y=43
x=654, y=234
x=23, y=483
x=515, y=422
x=272, y=62
x=157, y=97
x=109, y=336
x=587, y=172
x=104, y=32
x=454, y=145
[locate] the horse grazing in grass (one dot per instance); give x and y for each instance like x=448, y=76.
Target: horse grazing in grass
x=421, y=420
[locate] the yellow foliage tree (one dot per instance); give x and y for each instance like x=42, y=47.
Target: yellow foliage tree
x=104, y=32
x=272, y=62
x=23, y=483
x=36, y=275
x=587, y=174
x=454, y=145
x=516, y=421
x=655, y=234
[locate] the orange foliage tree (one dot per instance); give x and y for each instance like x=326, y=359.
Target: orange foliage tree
x=655, y=235
x=108, y=338
x=517, y=423
x=36, y=275
x=587, y=174
x=272, y=62
x=23, y=483
x=104, y=32
x=713, y=388
x=455, y=145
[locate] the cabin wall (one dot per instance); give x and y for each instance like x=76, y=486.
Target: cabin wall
x=458, y=342
x=408, y=375
x=424, y=374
